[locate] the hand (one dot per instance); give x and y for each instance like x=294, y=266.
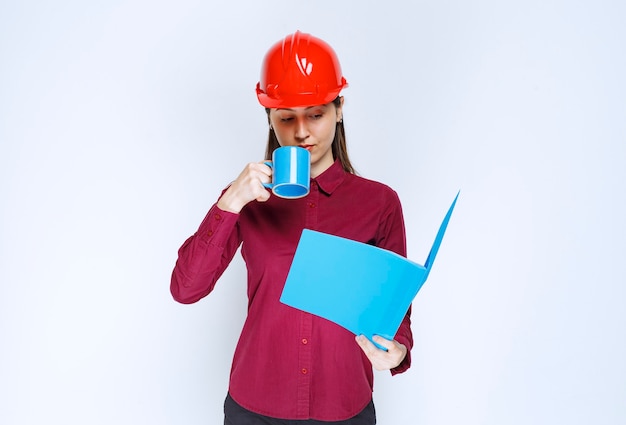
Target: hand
x=247, y=187
x=381, y=359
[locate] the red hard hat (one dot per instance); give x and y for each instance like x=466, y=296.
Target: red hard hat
x=300, y=70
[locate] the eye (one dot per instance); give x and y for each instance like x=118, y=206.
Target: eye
x=286, y=119
x=316, y=116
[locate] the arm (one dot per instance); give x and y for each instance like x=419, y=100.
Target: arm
x=397, y=358
x=204, y=256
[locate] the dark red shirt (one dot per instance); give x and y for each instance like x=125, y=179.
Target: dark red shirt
x=290, y=364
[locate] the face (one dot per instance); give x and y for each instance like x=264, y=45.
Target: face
x=312, y=128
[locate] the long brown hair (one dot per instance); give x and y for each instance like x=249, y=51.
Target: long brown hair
x=339, y=147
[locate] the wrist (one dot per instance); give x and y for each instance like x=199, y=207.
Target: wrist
x=230, y=202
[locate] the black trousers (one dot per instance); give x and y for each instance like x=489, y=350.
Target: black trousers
x=234, y=414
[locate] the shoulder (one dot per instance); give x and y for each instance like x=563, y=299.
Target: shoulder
x=373, y=186
x=373, y=194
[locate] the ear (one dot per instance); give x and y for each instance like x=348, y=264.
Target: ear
x=340, y=110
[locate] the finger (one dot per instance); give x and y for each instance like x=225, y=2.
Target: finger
x=267, y=167
x=266, y=172
x=366, y=345
x=383, y=342
x=264, y=196
x=265, y=179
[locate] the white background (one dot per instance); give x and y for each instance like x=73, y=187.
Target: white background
x=121, y=121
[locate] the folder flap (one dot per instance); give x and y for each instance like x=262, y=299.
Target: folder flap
x=442, y=230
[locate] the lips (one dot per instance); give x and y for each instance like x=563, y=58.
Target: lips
x=307, y=147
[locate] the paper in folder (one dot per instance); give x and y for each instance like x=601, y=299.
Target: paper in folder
x=365, y=289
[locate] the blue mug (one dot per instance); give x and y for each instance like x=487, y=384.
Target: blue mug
x=291, y=175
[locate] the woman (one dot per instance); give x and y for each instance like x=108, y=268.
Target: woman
x=290, y=366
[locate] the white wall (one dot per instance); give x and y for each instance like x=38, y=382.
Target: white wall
x=121, y=122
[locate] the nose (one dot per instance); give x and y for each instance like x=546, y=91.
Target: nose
x=302, y=130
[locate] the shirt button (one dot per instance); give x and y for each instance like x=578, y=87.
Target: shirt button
x=218, y=217
x=304, y=371
x=312, y=205
x=210, y=233
x=305, y=341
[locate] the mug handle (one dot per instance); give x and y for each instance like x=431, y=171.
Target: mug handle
x=269, y=164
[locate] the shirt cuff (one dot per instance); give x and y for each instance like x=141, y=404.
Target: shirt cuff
x=217, y=226
x=406, y=362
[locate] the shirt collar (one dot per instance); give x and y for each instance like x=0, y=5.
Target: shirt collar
x=331, y=178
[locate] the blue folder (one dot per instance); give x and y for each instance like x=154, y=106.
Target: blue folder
x=365, y=289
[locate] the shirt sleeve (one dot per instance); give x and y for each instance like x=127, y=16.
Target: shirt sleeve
x=392, y=236
x=204, y=256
